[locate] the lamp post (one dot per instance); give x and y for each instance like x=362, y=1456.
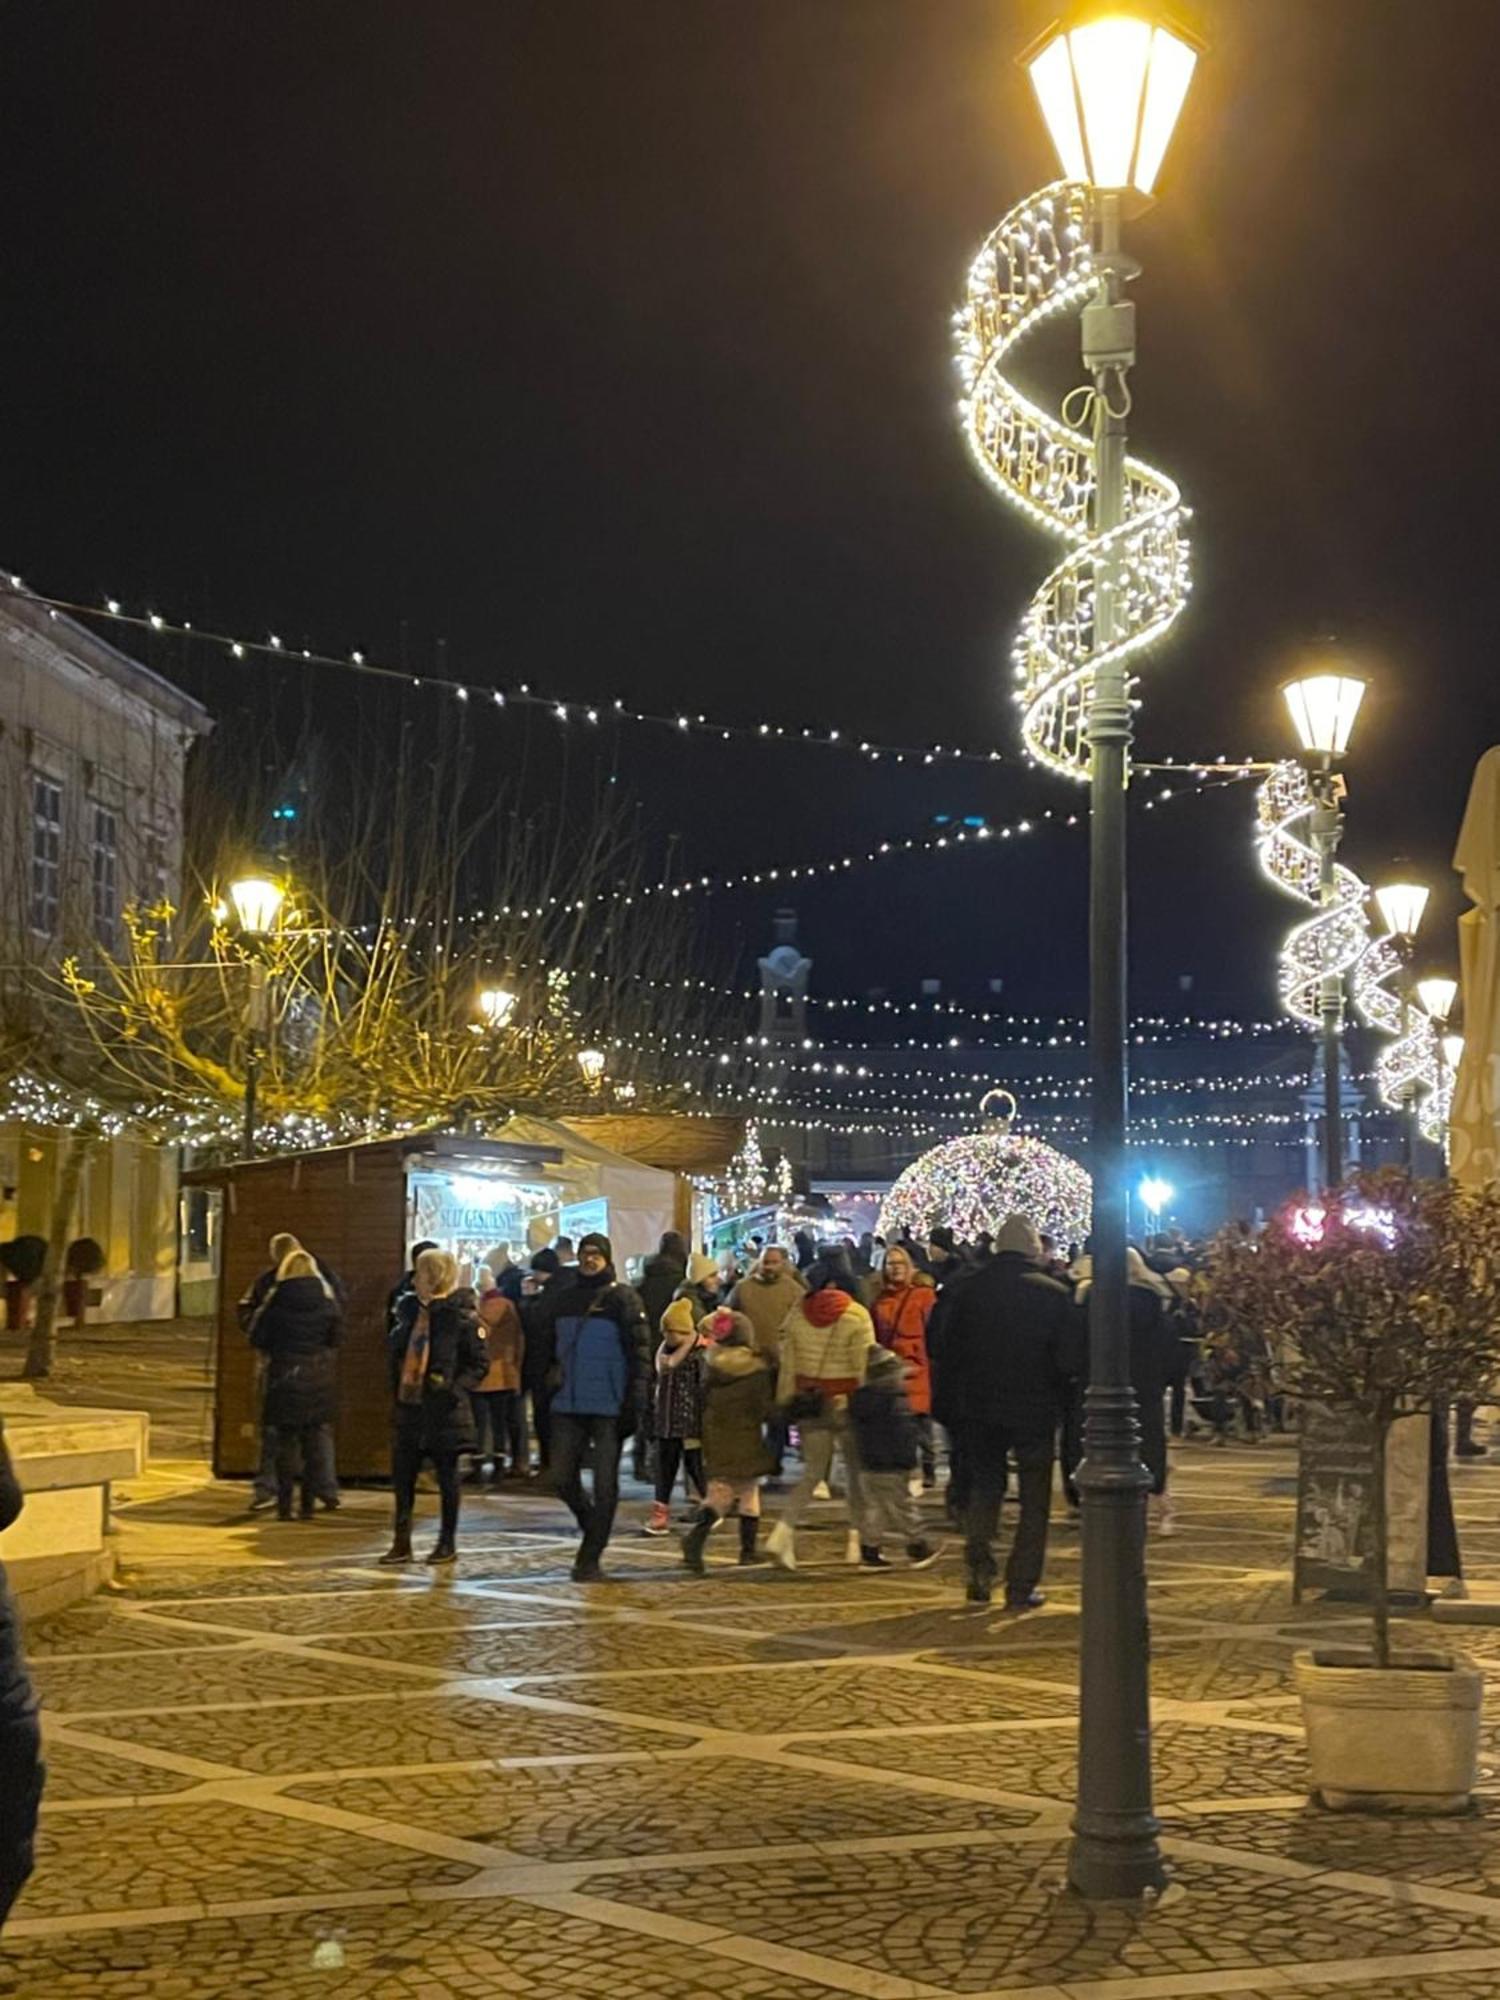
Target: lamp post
x=1401, y=905
x=1323, y=705
x=496, y=1004
x=1110, y=91
x=591, y=1062
x=256, y=901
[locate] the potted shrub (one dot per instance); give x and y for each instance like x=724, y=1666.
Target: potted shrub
x=1377, y=1302
x=22, y=1260
x=84, y=1260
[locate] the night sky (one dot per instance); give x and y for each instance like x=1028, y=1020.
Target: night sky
x=607, y=341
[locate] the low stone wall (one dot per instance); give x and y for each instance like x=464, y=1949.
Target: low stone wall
x=67, y=1460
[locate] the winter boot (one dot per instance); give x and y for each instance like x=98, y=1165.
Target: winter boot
x=781, y=1546
x=660, y=1520
x=400, y=1548
x=871, y=1558
x=442, y=1551
x=694, y=1540
x=749, y=1530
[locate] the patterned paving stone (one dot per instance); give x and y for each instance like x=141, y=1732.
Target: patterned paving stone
x=76, y=1687
x=211, y=1853
x=1182, y=1671
x=823, y=1695
x=75, y=1773
x=1192, y=1760
x=434, y=1951
x=566, y=1649
x=300, y=1617
x=969, y=1918
x=415, y=1728
x=1461, y=1853
x=608, y=1810
x=106, y=1631
x=255, y=1580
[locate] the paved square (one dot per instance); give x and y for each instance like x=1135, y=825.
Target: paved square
x=275, y=1767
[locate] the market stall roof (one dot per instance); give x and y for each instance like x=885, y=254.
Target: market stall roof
x=439, y=1147
x=641, y=1198
x=670, y=1139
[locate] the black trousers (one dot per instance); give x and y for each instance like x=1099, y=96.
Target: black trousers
x=541, y=1422
x=21, y=1776
x=304, y=1454
x=408, y=1449
x=500, y=1423
x=595, y=1513
x=984, y=1449
x=672, y=1453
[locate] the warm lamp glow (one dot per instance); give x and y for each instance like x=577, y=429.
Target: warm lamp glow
x=1111, y=90
x=591, y=1062
x=497, y=1004
x=257, y=903
x=1323, y=708
x=1437, y=997
x=1401, y=906
x=1453, y=1050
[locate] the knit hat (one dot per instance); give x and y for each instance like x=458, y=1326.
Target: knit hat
x=1017, y=1234
x=702, y=1270
x=595, y=1240
x=721, y=1325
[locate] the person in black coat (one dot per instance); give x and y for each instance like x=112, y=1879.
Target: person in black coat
x=1004, y=1343
x=436, y=1355
x=263, y=1492
x=297, y=1327
x=539, y=1356
x=1158, y=1364
x=22, y=1772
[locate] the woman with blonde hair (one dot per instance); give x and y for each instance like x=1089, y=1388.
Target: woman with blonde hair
x=297, y=1328
x=436, y=1356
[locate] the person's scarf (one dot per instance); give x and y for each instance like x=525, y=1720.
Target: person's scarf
x=414, y=1363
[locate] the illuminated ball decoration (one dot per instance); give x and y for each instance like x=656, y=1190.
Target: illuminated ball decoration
x=974, y=1183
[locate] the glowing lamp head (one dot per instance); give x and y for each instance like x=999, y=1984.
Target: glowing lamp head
x=497, y=1004
x=1401, y=905
x=1155, y=1194
x=1453, y=1051
x=1437, y=997
x=1111, y=89
x=1323, y=707
x=591, y=1062
x=257, y=902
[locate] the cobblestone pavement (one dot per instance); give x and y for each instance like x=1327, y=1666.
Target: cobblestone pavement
x=275, y=1768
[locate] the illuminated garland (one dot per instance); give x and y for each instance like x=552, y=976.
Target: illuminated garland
x=1039, y=262
x=1336, y=940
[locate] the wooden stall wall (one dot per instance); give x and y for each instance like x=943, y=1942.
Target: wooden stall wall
x=348, y=1207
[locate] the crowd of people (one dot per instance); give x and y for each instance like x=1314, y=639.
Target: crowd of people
x=876, y=1364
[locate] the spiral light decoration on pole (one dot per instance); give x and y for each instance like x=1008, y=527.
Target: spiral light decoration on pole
x=1037, y=263
x=1336, y=940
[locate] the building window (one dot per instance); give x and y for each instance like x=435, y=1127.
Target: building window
x=156, y=882
x=46, y=854
x=106, y=875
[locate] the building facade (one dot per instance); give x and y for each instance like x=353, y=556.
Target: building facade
x=93, y=748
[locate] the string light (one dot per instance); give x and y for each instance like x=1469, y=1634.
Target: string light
x=1036, y=263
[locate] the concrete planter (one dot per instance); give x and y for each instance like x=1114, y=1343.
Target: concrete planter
x=1397, y=1739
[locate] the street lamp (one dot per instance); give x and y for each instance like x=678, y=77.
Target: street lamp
x=257, y=903
x=1437, y=997
x=1323, y=704
x=497, y=1004
x=1401, y=905
x=591, y=1062
x=1110, y=90
x=1155, y=1194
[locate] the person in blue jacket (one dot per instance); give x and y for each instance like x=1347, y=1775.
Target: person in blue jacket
x=21, y=1767
x=602, y=1354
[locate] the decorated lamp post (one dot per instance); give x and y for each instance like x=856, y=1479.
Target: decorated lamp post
x=257, y=902
x=1401, y=905
x=1323, y=705
x=1110, y=88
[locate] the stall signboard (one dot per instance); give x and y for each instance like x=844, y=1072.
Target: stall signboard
x=1334, y=1526
x=462, y=1211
